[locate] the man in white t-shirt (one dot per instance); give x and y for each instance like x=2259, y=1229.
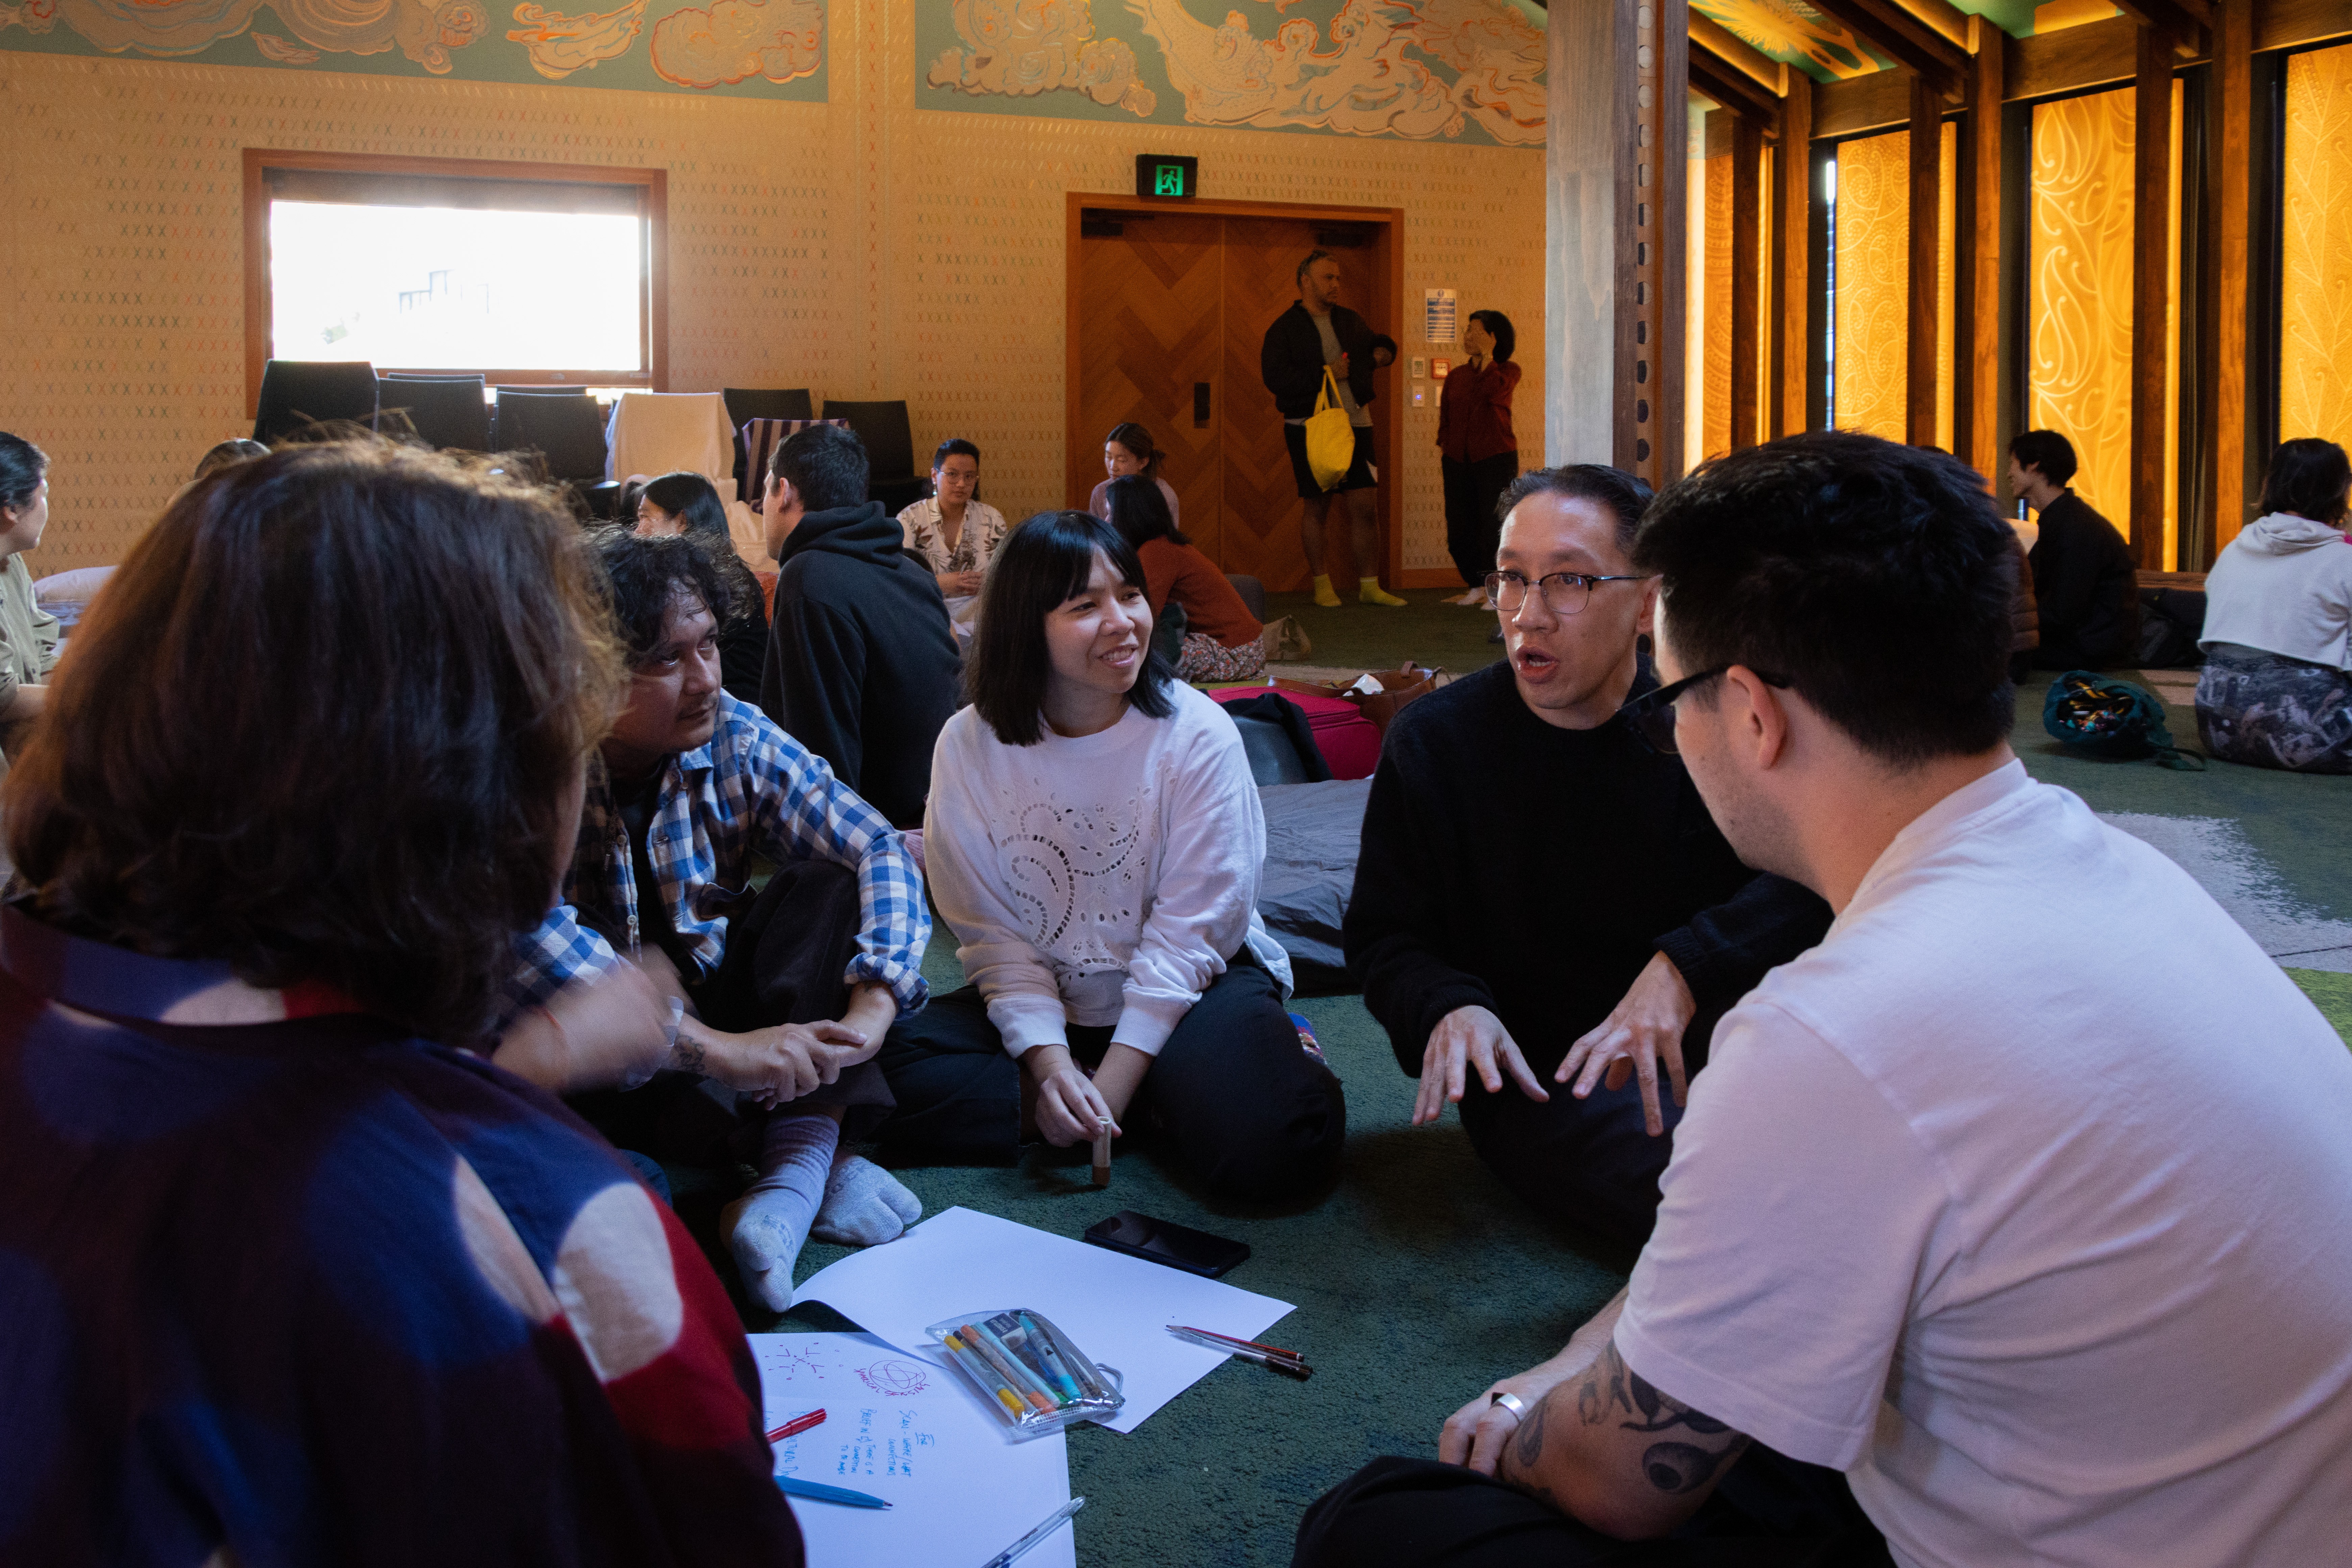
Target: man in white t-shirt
x=2022, y=1199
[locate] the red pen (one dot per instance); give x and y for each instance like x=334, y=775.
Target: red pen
x=1270, y=1350
x=796, y=1425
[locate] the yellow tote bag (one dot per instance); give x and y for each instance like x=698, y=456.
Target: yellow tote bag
x=1331, y=440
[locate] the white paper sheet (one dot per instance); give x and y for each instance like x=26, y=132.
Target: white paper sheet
x=901, y=1429
x=1116, y=1307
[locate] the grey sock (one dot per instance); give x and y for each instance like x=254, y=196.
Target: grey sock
x=767, y=1225
x=864, y=1205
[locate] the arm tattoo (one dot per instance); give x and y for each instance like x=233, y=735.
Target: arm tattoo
x=1610, y=1389
x=688, y=1055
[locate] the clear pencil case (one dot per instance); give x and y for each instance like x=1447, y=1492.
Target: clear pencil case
x=1028, y=1371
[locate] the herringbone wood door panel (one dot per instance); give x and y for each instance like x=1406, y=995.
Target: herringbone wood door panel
x=1262, y=505
x=1150, y=300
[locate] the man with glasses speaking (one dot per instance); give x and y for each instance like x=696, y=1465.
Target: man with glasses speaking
x=1543, y=908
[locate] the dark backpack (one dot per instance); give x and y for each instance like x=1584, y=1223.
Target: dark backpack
x=2103, y=717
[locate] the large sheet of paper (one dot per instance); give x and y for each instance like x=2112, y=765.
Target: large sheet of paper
x=1116, y=1307
x=899, y=1429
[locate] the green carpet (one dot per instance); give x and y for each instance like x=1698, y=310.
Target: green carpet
x=1418, y=1280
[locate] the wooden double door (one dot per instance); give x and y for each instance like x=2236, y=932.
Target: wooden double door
x=1167, y=318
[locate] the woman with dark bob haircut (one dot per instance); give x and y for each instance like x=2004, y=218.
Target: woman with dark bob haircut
x=1094, y=837
x=1478, y=450
x=2276, y=688
x=290, y=1273
x=684, y=502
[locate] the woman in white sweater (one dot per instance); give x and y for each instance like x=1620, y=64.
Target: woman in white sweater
x=2276, y=690
x=1094, y=839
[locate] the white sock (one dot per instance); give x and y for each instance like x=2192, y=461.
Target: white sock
x=864, y=1205
x=766, y=1227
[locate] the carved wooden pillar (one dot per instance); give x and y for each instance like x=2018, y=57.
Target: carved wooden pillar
x=1926, y=242
x=1618, y=75
x=1976, y=393
x=2229, y=214
x=1747, y=259
x=2151, y=287
x=1792, y=220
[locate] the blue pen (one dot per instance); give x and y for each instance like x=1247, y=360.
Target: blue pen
x=1036, y=1339
x=819, y=1492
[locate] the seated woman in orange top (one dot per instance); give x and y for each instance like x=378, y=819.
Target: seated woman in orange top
x=1221, y=637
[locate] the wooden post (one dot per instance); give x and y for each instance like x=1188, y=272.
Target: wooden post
x=2151, y=286
x=2229, y=213
x=1976, y=394
x=1792, y=218
x=1926, y=216
x=1746, y=256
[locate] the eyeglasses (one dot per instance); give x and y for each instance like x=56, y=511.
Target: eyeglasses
x=1564, y=592
x=1650, y=716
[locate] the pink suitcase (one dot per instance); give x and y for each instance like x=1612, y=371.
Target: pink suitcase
x=1350, y=744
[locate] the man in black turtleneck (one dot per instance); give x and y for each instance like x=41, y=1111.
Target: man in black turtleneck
x=862, y=664
x=1541, y=900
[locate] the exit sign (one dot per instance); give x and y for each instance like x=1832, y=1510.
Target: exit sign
x=1160, y=174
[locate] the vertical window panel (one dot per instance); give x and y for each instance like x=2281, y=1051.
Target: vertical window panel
x=2315, y=260
x=1873, y=236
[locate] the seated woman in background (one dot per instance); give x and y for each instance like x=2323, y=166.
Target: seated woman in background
x=2275, y=691
x=951, y=529
x=685, y=503
x=1221, y=637
x=1127, y=450
x=28, y=634
x=1094, y=837
x=289, y=1276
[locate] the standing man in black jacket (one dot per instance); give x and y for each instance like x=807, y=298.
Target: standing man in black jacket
x=862, y=666
x=1539, y=896
x=1315, y=332
x=2085, y=583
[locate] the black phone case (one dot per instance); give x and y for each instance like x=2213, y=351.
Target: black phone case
x=1212, y=1255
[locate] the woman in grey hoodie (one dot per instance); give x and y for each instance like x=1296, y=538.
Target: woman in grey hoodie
x=2277, y=691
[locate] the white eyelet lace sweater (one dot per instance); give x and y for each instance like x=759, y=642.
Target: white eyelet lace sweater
x=1102, y=879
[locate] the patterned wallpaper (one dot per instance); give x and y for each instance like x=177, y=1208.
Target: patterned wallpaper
x=1872, y=259
x=765, y=48
x=1470, y=70
x=2316, y=328
x=861, y=247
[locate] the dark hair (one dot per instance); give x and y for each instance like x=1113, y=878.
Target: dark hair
x=1140, y=512
x=325, y=724
x=1136, y=439
x=954, y=446
x=1042, y=564
x=826, y=464
x=689, y=497
x=23, y=466
x=2309, y=478
x=1498, y=326
x=1616, y=489
x=645, y=574
x=236, y=449
x=2046, y=450
x=1875, y=578
x=1309, y=259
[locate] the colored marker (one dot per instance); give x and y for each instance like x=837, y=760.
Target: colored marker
x=985, y=1376
x=796, y=1425
x=1043, y=1344
x=1019, y=1380
x=1010, y=1333
x=817, y=1491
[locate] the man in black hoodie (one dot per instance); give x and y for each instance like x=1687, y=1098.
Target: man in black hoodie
x=862, y=666
x=2085, y=583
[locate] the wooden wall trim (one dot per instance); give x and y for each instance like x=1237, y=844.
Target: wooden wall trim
x=1925, y=240
x=1792, y=173
x=1879, y=101
x=2151, y=287
x=1746, y=306
x=2283, y=24
x=1976, y=370
x=2229, y=212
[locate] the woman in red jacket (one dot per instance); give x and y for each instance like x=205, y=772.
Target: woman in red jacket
x=1481, y=455
x=1221, y=639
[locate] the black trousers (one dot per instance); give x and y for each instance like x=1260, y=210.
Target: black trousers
x=1767, y=1511
x=1246, y=1113
x=1473, y=532
x=785, y=956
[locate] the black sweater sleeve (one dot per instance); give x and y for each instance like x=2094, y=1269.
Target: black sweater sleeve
x=1723, y=951
x=1397, y=906
x=815, y=685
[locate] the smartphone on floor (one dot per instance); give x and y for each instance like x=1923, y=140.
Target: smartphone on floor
x=1178, y=1247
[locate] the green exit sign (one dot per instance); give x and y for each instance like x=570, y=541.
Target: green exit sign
x=1161, y=174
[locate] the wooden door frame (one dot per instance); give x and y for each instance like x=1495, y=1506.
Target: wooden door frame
x=1386, y=316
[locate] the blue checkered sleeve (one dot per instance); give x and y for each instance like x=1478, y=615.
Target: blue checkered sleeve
x=804, y=813
x=559, y=952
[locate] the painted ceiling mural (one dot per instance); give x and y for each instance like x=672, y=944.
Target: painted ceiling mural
x=1463, y=70
x=772, y=49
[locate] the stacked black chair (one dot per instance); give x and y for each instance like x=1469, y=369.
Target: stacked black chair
x=890, y=443
x=297, y=394
x=767, y=403
x=567, y=430
x=444, y=411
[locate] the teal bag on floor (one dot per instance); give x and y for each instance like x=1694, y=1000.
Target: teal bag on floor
x=2114, y=719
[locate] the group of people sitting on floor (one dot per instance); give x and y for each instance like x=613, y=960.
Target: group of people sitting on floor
x=378, y=816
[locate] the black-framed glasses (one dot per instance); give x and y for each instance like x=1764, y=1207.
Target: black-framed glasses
x=1564, y=592
x=1650, y=716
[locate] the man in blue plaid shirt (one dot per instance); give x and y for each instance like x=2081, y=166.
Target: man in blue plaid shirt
x=778, y=1000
